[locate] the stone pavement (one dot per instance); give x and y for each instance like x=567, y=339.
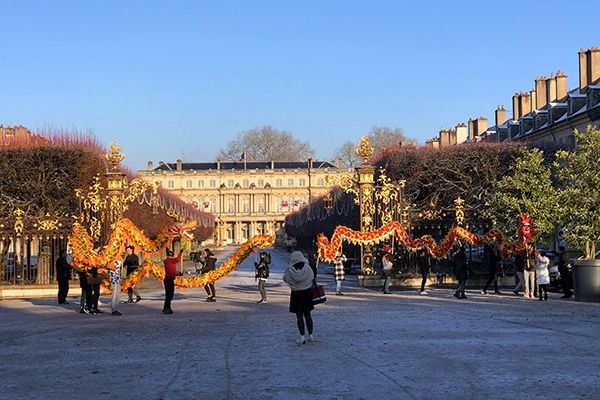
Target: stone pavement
x=368, y=346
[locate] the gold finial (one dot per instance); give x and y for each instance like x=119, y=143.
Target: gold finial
x=115, y=157
x=364, y=149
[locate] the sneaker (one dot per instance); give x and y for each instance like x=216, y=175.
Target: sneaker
x=516, y=292
x=301, y=341
x=211, y=300
x=138, y=299
x=484, y=292
x=115, y=313
x=87, y=311
x=457, y=295
x=339, y=293
x=129, y=301
x=81, y=310
x=424, y=292
x=262, y=301
x=311, y=338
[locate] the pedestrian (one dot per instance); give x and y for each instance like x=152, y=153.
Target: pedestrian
x=461, y=271
x=63, y=276
x=387, y=268
x=209, y=264
x=169, y=281
x=519, y=268
x=131, y=263
x=338, y=271
x=299, y=276
x=115, y=286
x=563, y=270
x=491, y=257
x=86, y=292
x=423, y=264
x=543, y=275
x=94, y=279
x=262, y=274
x=529, y=270
x=313, y=261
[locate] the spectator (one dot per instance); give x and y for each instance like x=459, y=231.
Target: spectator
x=461, y=271
x=262, y=274
x=132, y=263
x=63, y=276
x=338, y=271
x=530, y=256
x=209, y=264
x=543, y=275
x=300, y=277
x=115, y=287
x=563, y=269
x=423, y=264
x=491, y=257
x=519, y=268
x=387, y=269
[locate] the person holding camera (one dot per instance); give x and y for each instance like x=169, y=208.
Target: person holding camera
x=262, y=274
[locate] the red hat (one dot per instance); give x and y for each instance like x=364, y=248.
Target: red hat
x=387, y=249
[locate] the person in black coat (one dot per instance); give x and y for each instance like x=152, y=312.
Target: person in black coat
x=563, y=269
x=131, y=263
x=491, y=257
x=262, y=274
x=423, y=264
x=209, y=264
x=461, y=271
x=63, y=276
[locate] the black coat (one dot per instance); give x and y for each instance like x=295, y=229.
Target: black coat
x=460, y=266
x=209, y=264
x=262, y=269
x=131, y=262
x=63, y=269
x=490, y=258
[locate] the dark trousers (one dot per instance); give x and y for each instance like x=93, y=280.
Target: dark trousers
x=492, y=277
x=300, y=317
x=564, y=277
x=169, y=292
x=210, y=289
x=63, y=290
x=460, y=290
x=261, y=289
x=93, y=298
x=424, y=281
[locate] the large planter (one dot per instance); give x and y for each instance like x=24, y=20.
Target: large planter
x=586, y=280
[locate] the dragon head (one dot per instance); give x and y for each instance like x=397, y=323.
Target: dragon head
x=182, y=228
x=526, y=228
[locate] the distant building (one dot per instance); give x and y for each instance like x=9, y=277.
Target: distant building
x=247, y=198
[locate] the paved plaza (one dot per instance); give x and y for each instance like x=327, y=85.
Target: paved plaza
x=368, y=345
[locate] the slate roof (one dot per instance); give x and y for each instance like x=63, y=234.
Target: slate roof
x=203, y=166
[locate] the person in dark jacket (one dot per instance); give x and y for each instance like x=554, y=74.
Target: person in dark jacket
x=461, y=271
x=520, y=262
x=563, y=269
x=262, y=274
x=63, y=276
x=209, y=264
x=170, y=274
x=132, y=263
x=491, y=257
x=423, y=264
x=387, y=269
x=86, y=292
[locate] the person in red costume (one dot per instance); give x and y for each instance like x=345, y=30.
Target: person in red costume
x=170, y=274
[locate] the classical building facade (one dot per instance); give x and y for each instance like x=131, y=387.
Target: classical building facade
x=247, y=198
x=545, y=116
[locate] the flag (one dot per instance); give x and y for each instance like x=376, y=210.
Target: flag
x=243, y=156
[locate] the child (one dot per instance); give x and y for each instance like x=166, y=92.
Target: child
x=543, y=276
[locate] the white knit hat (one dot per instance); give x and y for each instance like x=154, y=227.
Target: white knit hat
x=297, y=257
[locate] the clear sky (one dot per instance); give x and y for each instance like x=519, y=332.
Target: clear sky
x=179, y=79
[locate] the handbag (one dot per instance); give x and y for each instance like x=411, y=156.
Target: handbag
x=318, y=294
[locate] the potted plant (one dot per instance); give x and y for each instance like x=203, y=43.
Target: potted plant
x=579, y=208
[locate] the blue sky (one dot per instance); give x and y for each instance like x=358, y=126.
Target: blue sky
x=179, y=79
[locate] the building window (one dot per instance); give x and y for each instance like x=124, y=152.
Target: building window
x=302, y=182
x=230, y=183
x=290, y=182
x=171, y=184
x=213, y=205
x=261, y=204
x=261, y=183
x=278, y=183
x=320, y=182
x=290, y=203
x=246, y=204
x=188, y=184
x=230, y=204
x=279, y=203
x=302, y=201
x=190, y=201
x=245, y=183
x=200, y=184
x=159, y=183
x=213, y=183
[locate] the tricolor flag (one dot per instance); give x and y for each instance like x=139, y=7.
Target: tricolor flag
x=243, y=156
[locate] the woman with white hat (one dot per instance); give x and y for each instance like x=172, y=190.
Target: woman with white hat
x=300, y=277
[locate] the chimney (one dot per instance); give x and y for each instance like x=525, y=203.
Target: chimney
x=551, y=88
x=149, y=165
x=161, y=163
x=583, y=76
x=471, y=129
x=272, y=164
x=178, y=165
x=593, y=65
x=532, y=99
x=340, y=163
x=461, y=133
x=541, y=93
x=482, y=125
x=444, y=138
x=516, y=109
x=218, y=164
x=561, y=86
x=500, y=116
x=524, y=104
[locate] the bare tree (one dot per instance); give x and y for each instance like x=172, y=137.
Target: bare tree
x=381, y=138
x=347, y=152
x=266, y=144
